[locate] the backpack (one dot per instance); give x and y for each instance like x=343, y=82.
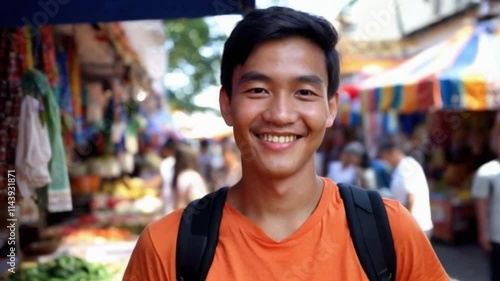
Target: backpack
x=366, y=216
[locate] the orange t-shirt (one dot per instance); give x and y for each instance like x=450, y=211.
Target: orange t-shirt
x=321, y=249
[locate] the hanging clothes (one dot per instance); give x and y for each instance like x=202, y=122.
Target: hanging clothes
x=33, y=151
x=58, y=196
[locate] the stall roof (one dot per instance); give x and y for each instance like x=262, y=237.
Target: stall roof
x=460, y=72
x=472, y=82
x=43, y=12
x=409, y=87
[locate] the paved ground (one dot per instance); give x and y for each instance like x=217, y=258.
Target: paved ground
x=463, y=262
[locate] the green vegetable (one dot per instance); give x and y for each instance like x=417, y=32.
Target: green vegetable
x=64, y=268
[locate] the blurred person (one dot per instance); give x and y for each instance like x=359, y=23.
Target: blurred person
x=205, y=159
x=167, y=152
x=480, y=149
x=419, y=147
x=333, y=143
x=281, y=221
x=367, y=176
x=408, y=184
x=230, y=173
x=346, y=170
x=486, y=191
x=188, y=183
x=460, y=150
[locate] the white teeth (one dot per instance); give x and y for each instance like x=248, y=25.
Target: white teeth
x=278, y=139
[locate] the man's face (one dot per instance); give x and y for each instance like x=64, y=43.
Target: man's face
x=279, y=106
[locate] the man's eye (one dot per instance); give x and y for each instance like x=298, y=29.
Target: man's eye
x=305, y=93
x=257, y=91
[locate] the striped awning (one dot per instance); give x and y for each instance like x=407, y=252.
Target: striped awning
x=473, y=81
x=412, y=85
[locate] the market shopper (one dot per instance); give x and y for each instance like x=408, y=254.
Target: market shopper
x=486, y=191
x=408, y=184
x=281, y=221
x=187, y=181
x=167, y=165
x=346, y=168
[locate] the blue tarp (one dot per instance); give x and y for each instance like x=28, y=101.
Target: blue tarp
x=43, y=12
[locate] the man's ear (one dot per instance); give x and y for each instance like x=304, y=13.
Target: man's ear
x=225, y=106
x=333, y=107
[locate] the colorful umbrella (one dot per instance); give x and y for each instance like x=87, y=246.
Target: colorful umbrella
x=411, y=86
x=473, y=81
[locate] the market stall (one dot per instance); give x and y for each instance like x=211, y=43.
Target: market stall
x=470, y=93
x=472, y=80
x=97, y=97
x=454, y=84
x=68, y=99
x=410, y=86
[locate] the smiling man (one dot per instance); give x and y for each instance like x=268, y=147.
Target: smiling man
x=281, y=221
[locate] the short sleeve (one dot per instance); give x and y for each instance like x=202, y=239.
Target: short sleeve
x=481, y=184
x=416, y=259
x=145, y=264
x=184, y=181
x=411, y=174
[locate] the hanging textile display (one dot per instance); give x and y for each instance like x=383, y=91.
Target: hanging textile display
x=33, y=150
x=58, y=191
x=64, y=97
x=76, y=90
x=12, y=63
x=28, y=47
x=349, y=108
x=49, y=55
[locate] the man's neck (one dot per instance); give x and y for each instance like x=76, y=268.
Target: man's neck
x=285, y=201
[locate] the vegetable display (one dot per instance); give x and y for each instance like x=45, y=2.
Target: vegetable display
x=64, y=268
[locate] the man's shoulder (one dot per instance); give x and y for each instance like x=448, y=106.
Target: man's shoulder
x=168, y=222
x=393, y=209
x=489, y=168
x=163, y=232
x=154, y=253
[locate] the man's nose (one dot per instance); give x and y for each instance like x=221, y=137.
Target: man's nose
x=281, y=110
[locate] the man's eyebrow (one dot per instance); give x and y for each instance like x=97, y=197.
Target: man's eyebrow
x=310, y=79
x=254, y=76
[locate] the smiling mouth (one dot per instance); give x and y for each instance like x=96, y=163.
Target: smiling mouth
x=278, y=138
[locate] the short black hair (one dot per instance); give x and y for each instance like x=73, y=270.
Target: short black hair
x=171, y=144
x=387, y=146
x=204, y=143
x=274, y=23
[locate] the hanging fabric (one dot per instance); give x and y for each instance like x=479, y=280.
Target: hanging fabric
x=76, y=90
x=59, y=190
x=33, y=151
x=49, y=55
x=12, y=62
x=28, y=51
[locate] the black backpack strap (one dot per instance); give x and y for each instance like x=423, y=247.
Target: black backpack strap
x=370, y=232
x=198, y=236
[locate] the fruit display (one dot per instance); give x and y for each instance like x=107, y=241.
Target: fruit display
x=95, y=234
x=129, y=188
x=64, y=268
x=128, y=196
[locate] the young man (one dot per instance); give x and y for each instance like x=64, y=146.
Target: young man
x=408, y=184
x=486, y=191
x=280, y=74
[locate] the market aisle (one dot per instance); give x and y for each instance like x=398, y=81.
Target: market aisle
x=463, y=262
